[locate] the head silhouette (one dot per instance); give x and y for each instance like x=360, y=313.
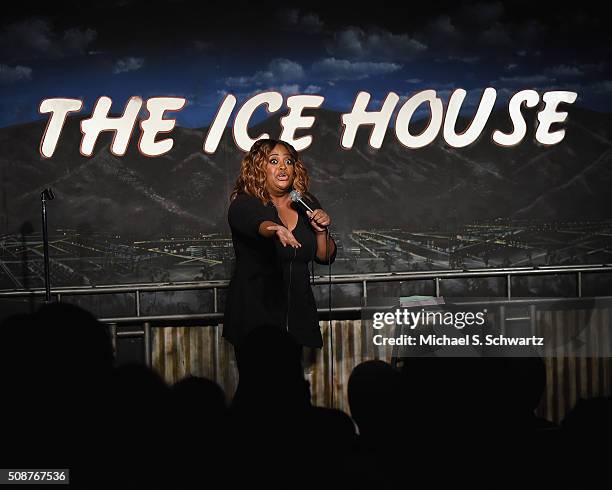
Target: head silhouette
x=374, y=390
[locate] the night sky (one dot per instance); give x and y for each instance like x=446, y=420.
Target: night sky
x=193, y=50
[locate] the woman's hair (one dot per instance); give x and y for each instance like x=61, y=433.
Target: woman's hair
x=252, y=177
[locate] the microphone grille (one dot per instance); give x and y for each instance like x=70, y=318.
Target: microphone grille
x=295, y=195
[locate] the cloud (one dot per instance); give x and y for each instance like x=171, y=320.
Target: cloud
x=510, y=66
x=12, y=74
x=464, y=59
x=285, y=89
x=439, y=32
x=527, y=79
x=496, y=32
x=36, y=39
x=442, y=26
x=354, y=43
x=75, y=41
x=566, y=71
x=477, y=28
x=336, y=69
x=128, y=64
x=601, y=66
x=293, y=19
x=413, y=80
x=312, y=89
x=574, y=87
x=279, y=70
x=604, y=86
x=496, y=35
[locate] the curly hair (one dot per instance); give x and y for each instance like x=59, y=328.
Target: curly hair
x=252, y=177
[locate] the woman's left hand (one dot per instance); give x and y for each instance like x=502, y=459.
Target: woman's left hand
x=319, y=219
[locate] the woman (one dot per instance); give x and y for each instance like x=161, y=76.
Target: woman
x=274, y=241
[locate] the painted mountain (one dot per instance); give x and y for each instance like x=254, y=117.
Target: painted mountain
x=186, y=191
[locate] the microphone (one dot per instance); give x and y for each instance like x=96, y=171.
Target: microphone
x=296, y=197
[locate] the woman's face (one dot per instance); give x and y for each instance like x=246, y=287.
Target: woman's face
x=280, y=170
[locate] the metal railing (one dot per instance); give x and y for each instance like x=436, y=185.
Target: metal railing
x=216, y=317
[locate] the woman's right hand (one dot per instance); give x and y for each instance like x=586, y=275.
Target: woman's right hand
x=285, y=236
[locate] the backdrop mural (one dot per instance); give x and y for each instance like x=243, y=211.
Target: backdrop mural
x=139, y=219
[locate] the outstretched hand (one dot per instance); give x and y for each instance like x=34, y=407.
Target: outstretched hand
x=285, y=236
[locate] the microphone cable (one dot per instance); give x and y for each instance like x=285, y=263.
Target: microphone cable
x=296, y=197
x=329, y=306
x=329, y=312
x=289, y=288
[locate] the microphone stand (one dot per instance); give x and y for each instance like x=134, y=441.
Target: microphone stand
x=46, y=195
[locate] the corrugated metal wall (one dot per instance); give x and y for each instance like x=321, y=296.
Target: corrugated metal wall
x=201, y=351
x=569, y=378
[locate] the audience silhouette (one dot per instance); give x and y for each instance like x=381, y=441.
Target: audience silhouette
x=67, y=404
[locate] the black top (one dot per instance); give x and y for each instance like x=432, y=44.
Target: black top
x=268, y=277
